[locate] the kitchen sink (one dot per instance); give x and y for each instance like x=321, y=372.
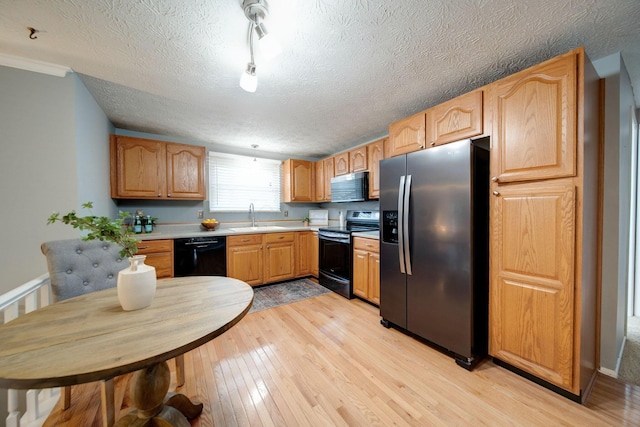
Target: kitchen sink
x=258, y=229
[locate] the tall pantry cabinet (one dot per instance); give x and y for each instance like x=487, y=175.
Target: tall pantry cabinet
x=544, y=168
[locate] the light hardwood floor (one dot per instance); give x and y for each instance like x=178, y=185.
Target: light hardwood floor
x=327, y=361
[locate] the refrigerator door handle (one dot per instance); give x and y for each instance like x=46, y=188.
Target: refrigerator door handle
x=405, y=225
x=401, y=223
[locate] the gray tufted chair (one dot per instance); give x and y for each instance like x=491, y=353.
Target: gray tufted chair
x=78, y=267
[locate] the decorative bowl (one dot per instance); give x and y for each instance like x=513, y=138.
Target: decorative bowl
x=211, y=225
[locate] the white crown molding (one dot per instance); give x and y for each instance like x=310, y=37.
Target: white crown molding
x=34, y=65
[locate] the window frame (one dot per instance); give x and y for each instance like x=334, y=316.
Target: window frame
x=236, y=181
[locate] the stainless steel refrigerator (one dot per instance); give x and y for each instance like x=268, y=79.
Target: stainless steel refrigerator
x=434, y=249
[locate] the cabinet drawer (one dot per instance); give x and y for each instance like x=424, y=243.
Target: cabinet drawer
x=371, y=245
x=279, y=237
x=150, y=246
x=246, y=239
x=163, y=263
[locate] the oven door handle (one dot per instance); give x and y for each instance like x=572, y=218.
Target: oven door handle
x=336, y=278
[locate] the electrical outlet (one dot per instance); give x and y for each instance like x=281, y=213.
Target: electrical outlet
x=200, y=214
x=286, y=214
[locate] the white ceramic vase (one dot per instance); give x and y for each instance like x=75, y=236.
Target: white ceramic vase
x=136, y=284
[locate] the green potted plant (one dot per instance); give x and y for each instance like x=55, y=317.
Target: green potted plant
x=137, y=283
x=101, y=228
x=305, y=221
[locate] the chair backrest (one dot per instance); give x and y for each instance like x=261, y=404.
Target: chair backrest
x=77, y=267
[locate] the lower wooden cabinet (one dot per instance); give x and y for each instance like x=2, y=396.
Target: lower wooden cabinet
x=315, y=253
x=306, y=257
x=159, y=254
x=533, y=278
x=279, y=257
x=245, y=258
x=262, y=258
x=366, y=269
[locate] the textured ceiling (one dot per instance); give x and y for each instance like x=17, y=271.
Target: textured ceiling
x=348, y=67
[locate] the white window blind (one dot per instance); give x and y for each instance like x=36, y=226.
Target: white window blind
x=237, y=181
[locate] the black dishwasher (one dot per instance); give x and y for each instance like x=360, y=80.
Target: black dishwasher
x=200, y=256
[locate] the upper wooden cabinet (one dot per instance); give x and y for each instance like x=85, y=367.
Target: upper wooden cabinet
x=341, y=165
x=534, y=126
x=375, y=153
x=358, y=159
x=457, y=119
x=324, y=173
x=148, y=169
x=407, y=135
x=319, y=188
x=454, y=120
x=298, y=181
x=185, y=171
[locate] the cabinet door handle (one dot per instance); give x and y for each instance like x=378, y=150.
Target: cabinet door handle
x=496, y=193
x=143, y=247
x=168, y=194
x=432, y=143
x=494, y=178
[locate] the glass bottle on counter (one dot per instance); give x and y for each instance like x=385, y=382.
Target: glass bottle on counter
x=137, y=225
x=148, y=225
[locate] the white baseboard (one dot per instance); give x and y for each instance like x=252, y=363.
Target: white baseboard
x=612, y=373
x=608, y=372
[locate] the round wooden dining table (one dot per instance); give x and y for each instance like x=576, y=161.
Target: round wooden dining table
x=91, y=338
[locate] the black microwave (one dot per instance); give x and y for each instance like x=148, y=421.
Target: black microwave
x=352, y=187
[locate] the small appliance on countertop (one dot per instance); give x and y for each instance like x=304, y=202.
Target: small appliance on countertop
x=318, y=217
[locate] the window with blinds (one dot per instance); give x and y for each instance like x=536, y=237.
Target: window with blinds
x=237, y=181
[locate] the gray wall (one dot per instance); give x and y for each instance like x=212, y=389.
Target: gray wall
x=37, y=168
x=53, y=156
x=617, y=168
x=92, y=148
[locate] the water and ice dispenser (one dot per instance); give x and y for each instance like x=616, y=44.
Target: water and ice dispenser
x=390, y=226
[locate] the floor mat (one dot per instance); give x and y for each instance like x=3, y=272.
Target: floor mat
x=270, y=296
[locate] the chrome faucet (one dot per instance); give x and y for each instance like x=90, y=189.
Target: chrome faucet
x=252, y=214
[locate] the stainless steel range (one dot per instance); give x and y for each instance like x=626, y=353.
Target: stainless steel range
x=336, y=251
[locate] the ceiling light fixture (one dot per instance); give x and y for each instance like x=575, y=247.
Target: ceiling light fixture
x=256, y=11
x=248, y=79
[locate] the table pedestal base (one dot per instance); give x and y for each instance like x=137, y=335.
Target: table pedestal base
x=154, y=406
